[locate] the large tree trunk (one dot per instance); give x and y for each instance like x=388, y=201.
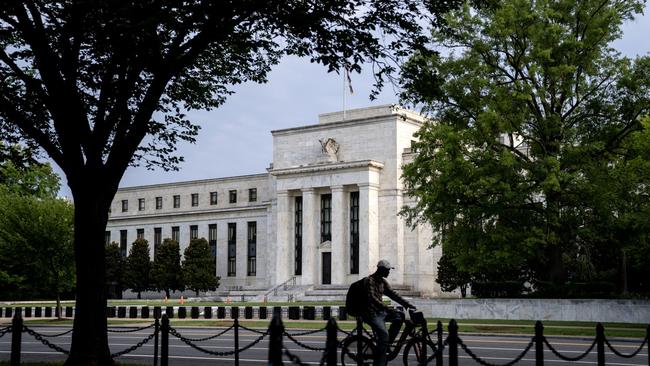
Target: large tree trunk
x=89, y=338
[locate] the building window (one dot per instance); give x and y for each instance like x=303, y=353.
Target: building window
x=140, y=204
x=212, y=239
x=252, y=248
x=232, y=249
x=157, y=239
x=252, y=195
x=325, y=217
x=140, y=234
x=158, y=203
x=107, y=237
x=213, y=198
x=354, y=232
x=125, y=205
x=123, y=241
x=177, y=201
x=176, y=234
x=232, y=196
x=194, y=231
x=297, y=264
x=195, y=199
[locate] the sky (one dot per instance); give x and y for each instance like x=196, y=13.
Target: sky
x=235, y=139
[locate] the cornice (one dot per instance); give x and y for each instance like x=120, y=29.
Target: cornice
x=369, y=164
x=188, y=213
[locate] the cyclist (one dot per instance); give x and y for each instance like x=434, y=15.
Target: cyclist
x=377, y=313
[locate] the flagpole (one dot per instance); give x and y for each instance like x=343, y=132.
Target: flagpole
x=344, y=92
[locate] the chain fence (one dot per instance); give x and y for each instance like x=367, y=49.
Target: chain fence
x=129, y=329
x=485, y=363
x=138, y=345
x=276, y=330
x=39, y=337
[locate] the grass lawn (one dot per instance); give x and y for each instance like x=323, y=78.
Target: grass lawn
x=520, y=327
x=176, y=302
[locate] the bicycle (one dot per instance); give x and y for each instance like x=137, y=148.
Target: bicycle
x=415, y=338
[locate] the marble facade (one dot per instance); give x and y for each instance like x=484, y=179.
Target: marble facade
x=325, y=174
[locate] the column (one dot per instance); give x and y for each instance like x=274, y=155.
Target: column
x=283, y=262
x=368, y=228
x=340, y=258
x=310, y=236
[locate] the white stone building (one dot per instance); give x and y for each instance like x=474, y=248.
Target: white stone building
x=324, y=213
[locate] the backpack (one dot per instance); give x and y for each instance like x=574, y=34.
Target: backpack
x=356, y=300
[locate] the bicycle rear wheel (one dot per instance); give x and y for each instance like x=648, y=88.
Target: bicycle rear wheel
x=418, y=350
x=349, y=354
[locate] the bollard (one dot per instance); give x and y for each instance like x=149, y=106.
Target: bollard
x=327, y=312
x=194, y=312
x=236, y=342
x=16, y=334
x=207, y=312
x=600, y=344
x=144, y=312
x=539, y=344
x=452, y=341
x=156, y=328
x=276, y=329
x=647, y=339
x=164, y=342
x=262, y=313
x=440, y=344
x=359, y=337
x=331, y=345
x=182, y=312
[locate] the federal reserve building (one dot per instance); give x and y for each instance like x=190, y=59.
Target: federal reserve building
x=320, y=217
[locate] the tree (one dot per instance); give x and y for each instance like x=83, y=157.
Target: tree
x=199, y=267
x=114, y=271
x=450, y=277
x=138, y=267
x=533, y=117
x=166, y=272
x=100, y=86
x=36, y=246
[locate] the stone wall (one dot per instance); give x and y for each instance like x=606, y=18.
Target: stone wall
x=623, y=311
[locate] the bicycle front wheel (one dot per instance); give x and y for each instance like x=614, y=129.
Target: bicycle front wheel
x=349, y=354
x=418, y=350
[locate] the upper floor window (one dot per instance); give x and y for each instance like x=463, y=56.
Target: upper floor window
x=232, y=249
x=140, y=204
x=213, y=198
x=232, y=194
x=177, y=201
x=158, y=203
x=252, y=249
x=325, y=217
x=125, y=205
x=107, y=237
x=195, y=199
x=252, y=195
x=157, y=239
x=140, y=234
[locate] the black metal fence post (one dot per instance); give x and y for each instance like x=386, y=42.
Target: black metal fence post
x=600, y=344
x=276, y=329
x=331, y=343
x=156, y=329
x=452, y=341
x=359, y=337
x=164, y=346
x=16, y=335
x=440, y=345
x=236, y=342
x=647, y=338
x=539, y=344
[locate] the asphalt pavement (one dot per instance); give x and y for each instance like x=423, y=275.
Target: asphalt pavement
x=494, y=349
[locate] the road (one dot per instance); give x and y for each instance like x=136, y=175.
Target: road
x=495, y=349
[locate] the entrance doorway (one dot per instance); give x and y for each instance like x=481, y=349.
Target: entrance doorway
x=327, y=268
